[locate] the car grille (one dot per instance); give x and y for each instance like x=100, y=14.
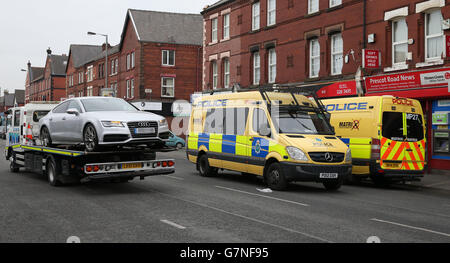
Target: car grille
x=326, y=169
x=143, y=124
x=321, y=157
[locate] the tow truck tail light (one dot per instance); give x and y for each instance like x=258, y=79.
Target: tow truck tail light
x=164, y=164
x=88, y=168
x=171, y=163
x=375, y=149
x=96, y=168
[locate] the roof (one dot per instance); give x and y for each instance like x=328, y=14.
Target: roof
x=20, y=96
x=215, y=5
x=81, y=54
x=111, y=51
x=58, y=64
x=36, y=73
x=164, y=27
x=9, y=100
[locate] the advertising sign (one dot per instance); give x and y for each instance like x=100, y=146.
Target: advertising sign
x=409, y=80
x=371, y=59
x=345, y=88
x=440, y=118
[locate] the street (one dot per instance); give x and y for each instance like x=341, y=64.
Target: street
x=184, y=207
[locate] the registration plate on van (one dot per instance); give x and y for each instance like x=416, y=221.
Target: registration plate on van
x=329, y=175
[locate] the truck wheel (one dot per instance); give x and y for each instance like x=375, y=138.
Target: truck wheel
x=204, y=168
x=52, y=175
x=13, y=167
x=90, y=138
x=275, y=178
x=46, y=140
x=333, y=185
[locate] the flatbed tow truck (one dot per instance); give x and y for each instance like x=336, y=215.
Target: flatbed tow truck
x=67, y=165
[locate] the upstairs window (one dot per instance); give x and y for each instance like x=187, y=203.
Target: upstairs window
x=132, y=60
x=168, y=87
x=314, y=58
x=399, y=41
x=337, y=52
x=226, y=73
x=434, y=43
x=128, y=61
x=226, y=26
x=313, y=6
x=90, y=74
x=255, y=16
x=168, y=57
x=334, y=3
x=214, y=30
x=214, y=74
x=256, y=68
x=271, y=12
x=272, y=65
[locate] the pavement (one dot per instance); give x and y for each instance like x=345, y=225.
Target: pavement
x=437, y=179
x=186, y=208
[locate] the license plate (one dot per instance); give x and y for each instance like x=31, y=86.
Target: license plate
x=329, y=175
x=126, y=166
x=392, y=165
x=144, y=130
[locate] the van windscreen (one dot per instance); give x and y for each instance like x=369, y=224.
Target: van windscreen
x=302, y=123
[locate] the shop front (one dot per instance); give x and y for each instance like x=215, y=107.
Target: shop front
x=432, y=89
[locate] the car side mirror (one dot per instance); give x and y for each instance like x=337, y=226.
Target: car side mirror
x=264, y=130
x=73, y=111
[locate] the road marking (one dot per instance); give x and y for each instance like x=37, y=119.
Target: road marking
x=265, y=196
x=436, y=184
x=174, y=177
x=242, y=216
x=412, y=227
x=173, y=224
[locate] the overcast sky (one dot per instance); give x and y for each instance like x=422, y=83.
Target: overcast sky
x=28, y=28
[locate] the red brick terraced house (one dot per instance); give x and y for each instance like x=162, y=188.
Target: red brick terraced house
x=47, y=84
x=321, y=42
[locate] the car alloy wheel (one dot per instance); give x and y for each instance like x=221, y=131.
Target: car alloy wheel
x=45, y=137
x=90, y=138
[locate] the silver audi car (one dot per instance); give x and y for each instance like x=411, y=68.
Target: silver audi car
x=96, y=122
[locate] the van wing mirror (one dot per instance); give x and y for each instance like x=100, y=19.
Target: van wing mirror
x=73, y=111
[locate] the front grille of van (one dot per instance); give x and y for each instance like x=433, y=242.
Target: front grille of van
x=321, y=157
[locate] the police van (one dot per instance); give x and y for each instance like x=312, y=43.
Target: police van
x=281, y=136
x=385, y=134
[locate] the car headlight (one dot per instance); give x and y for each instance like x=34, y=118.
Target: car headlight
x=109, y=124
x=162, y=122
x=348, y=156
x=296, y=154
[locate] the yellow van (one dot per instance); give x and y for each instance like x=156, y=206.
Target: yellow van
x=280, y=136
x=386, y=135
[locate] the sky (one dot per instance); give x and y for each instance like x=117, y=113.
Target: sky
x=28, y=28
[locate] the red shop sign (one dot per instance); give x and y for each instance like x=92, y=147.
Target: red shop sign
x=371, y=58
x=346, y=88
x=408, y=81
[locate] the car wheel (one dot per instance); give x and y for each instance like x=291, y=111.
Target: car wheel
x=90, y=138
x=46, y=139
x=179, y=146
x=203, y=167
x=275, y=178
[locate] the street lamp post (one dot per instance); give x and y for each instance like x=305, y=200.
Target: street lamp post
x=106, y=56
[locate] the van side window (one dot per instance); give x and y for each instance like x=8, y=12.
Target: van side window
x=259, y=120
x=393, y=126
x=235, y=121
x=17, y=118
x=214, y=121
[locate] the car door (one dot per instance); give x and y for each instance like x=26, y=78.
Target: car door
x=72, y=124
x=56, y=122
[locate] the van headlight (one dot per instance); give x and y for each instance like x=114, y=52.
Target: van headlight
x=296, y=154
x=111, y=124
x=348, y=156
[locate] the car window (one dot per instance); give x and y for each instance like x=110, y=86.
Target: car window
x=74, y=105
x=61, y=108
x=37, y=115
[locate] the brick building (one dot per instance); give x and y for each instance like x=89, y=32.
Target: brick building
x=48, y=83
x=298, y=42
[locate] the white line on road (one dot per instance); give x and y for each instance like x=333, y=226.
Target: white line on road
x=436, y=184
x=265, y=196
x=174, y=177
x=173, y=224
x=412, y=227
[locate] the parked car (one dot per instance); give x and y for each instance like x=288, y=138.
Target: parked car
x=175, y=141
x=97, y=122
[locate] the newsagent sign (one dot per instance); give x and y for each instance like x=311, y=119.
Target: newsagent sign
x=408, y=81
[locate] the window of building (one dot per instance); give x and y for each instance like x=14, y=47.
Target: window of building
x=337, y=52
x=132, y=60
x=226, y=26
x=434, y=43
x=113, y=67
x=128, y=89
x=399, y=41
x=128, y=61
x=214, y=74
x=256, y=68
x=117, y=65
x=168, y=87
x=255, y=16
x=271, y=12
x=100, y=71
x=131, y=88
x=168, y=57
x=334, y=3
x=90, y=73
x=90, y=91
x=226, y=73
x=214, y=30
x=313, y=6
x=272, y=65
x=314, y=58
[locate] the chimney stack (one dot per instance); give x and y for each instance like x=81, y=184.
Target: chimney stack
x=49, y=51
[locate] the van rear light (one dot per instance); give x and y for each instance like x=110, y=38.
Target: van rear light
x=375, y=149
